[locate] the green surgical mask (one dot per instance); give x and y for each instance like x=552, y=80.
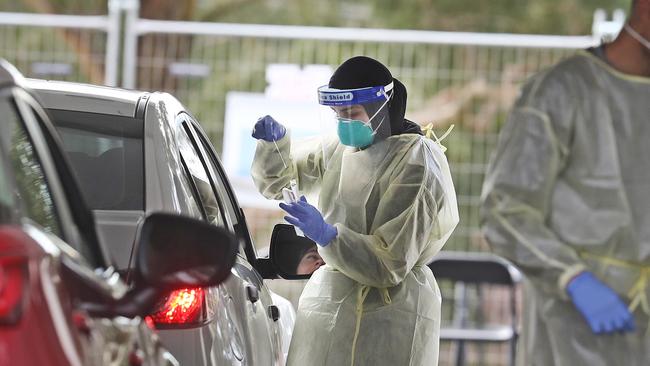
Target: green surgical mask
x=355, y=133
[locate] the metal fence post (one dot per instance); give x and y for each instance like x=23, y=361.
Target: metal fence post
x=130, y=58
x=112, y=43
x=607, y=30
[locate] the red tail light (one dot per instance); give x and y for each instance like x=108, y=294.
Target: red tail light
x=13, y=274
x=181, y=307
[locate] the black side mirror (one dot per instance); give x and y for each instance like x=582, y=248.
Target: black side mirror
x=172, y=252
x=175, y=251
x=293, y=256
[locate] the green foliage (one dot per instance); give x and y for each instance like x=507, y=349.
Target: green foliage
x=511, y=16
x=83, y=7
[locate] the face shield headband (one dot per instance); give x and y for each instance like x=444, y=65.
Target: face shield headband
x=352, y=132
x=342, y=97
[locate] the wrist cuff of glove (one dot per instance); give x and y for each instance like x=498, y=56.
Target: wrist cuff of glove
x=329, y=235
x=569, y=273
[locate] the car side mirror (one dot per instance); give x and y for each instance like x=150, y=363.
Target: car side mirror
x=175, y=252
x=172, y=252
x=293, y=256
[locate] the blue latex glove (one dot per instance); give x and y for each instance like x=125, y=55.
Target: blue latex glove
x=268, y=129
x=308, y=219
x=604, y=311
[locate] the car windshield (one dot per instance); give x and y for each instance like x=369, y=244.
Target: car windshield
x=106, y=154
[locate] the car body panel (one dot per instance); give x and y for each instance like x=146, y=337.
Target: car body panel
x=87, y=98
x=286, y=321
x=37, y=325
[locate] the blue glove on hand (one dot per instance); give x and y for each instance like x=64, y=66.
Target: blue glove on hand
x=268, y=129
x=308, y=219
x=599, y=305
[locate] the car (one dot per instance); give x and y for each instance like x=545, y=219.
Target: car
x=139, y=152
x=61, y=303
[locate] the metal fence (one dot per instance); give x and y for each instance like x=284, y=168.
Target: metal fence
x=468, y=79
x=63, y=47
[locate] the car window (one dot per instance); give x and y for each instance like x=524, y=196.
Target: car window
x=192, y=196
x=229, y=207
x=107, y=157
x=31, y=185
x=199, y=176
x=221, y=187
x=86, y=244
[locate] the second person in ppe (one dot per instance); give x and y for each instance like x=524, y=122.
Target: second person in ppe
x=386, y=206
x=567, y=199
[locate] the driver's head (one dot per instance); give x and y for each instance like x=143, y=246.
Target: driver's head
x=309, y=262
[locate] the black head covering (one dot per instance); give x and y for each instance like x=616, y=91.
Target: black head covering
x=363, y=72
x=302, y=245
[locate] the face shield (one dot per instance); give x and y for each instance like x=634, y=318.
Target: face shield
x=361, y=115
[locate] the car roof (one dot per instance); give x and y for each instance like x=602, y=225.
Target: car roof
x=85, y=97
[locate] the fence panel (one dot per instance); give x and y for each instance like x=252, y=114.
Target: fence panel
x=63, y=47
x=471, y=86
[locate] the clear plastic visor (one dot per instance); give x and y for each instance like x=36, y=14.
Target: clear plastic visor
x=368, y=106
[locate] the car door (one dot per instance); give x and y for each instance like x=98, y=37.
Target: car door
x=248, y=298
x=49, y=207
x=266, y=328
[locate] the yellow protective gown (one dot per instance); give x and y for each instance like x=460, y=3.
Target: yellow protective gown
x=394, y=206
x=568, y=189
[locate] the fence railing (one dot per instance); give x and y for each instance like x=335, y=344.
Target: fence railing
x=42, y=45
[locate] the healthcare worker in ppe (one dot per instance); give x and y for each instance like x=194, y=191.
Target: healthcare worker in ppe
x=567, y=199
x=386, y=206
